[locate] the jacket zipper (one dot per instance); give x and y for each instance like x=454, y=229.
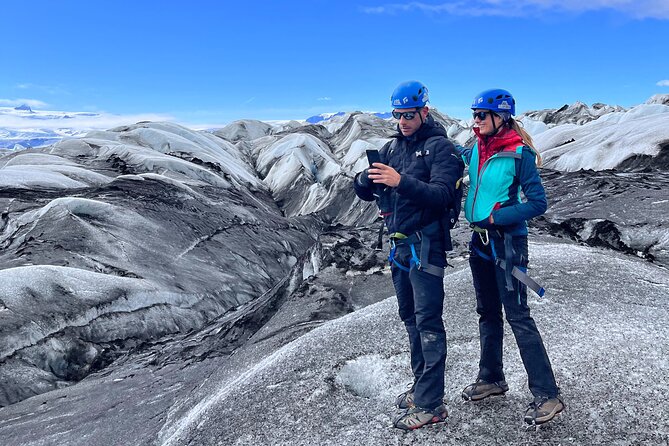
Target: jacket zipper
x=478, y=181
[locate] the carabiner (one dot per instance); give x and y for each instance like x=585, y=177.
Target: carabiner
x=484, y=239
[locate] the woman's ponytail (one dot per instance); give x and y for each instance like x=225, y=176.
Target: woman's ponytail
x=527, y=139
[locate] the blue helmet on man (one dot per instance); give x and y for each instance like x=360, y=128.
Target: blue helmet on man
x=495, y=100
x=409, y=94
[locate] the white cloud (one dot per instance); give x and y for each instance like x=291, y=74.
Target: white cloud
x=325, y=98
x=45, y=88
x=664, y=83
x=33, y=103
x=639, y=9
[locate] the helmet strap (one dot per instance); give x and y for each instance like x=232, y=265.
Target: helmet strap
x=494, y=126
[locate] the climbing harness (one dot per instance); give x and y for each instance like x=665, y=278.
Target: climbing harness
x=420, y=262
x=520, y=273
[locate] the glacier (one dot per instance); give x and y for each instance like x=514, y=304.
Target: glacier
x=175, y=281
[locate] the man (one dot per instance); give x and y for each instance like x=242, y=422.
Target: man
x=414, y=185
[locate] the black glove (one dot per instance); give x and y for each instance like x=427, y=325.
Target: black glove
x=363, y=179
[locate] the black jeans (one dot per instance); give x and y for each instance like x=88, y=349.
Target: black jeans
x=420, y=297
x=491, y=296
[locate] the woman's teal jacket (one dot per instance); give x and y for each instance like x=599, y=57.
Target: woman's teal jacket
x=496, y=189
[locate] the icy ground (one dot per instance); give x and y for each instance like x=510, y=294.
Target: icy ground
x=166, y=281
x=603, y=320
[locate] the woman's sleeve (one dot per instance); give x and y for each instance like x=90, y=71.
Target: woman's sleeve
x=530, y=183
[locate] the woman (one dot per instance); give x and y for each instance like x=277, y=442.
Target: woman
x=501, y=164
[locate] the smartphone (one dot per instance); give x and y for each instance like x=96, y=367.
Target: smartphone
x=373, y=156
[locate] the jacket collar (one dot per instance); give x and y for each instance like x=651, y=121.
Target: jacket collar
x=506, y=139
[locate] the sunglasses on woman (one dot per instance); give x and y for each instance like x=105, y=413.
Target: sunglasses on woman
x=481, y=115
x=407, y=115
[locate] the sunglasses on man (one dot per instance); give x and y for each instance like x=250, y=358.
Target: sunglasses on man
x=407, y=115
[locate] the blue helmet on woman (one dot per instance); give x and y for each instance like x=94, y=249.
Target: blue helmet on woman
x=495, y=100
x=409, y=94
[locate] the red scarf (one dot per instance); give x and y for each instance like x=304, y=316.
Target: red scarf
x=505, y=139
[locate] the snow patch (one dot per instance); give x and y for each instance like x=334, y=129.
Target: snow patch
x=370, y=376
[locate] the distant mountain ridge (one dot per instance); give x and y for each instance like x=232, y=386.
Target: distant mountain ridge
x=327, y=116
x=24, y=107
x=21, y=127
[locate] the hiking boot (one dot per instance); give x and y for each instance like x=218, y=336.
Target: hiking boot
x=543, y=409
x=419, y=417
x=405, y=400
x=482, y=389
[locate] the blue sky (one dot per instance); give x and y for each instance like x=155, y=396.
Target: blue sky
x=216, y=61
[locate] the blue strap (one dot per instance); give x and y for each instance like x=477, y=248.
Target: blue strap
x=415, y=261
x=508, y=257
x=400, y=266
x=391, y=257
x=414, y=258
x=520, y=273
x=421, y=262
x=492, y=250
x=481, y=254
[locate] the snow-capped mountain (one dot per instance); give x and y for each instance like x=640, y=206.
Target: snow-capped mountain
x=25, y=127
x=22, y=127
x=577, y=113
x=175, y=281
x=322, y=117
x=636, y=138
x=319, y=119
x=244, y=130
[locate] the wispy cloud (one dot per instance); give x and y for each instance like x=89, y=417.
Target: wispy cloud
x=664, y=83
x=50, y=89
x=638, y=9
x=324, y=98
x=248, y=101
x=33, y=103
x=453, y=8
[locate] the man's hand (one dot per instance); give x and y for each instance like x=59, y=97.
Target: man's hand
x=382, y=174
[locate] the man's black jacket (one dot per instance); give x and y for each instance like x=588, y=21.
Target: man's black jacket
x=429, y=171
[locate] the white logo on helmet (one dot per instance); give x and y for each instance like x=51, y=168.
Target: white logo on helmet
x=405, y=100
x=397, y=102
x=425, y=98
x=479, y=101
x=504, y=105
